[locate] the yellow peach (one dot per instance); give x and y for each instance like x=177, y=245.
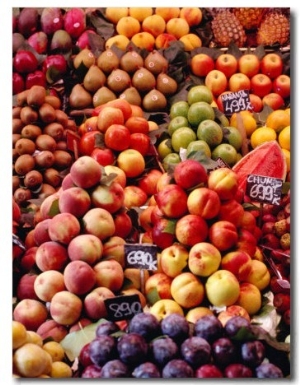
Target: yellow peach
x=60, y=369
x=187, y=290
x=119, y=41
x=30, y=360
x=154, y=24
x=177, y=27
x=114, y=14
x=144, y=40
x=167, y=13
x=193, y=15
x=250, y=298
x=259, y=275
x=140, y=13
x=55, y=350
x=34, y=338
x=191, y=41
x=128, y=26
x=164, y=307
x=19, y=334
x=196, y=313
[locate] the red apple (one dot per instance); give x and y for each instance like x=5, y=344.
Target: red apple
x=140, y=142
x=282, y=85
x=104, y=156
x=57, y=62
x=83, y=40
x=38, y=41
x=189, y=173
x=75, y=22
x=191, y=229
x=271, y=65
x=172, y=201
x=260, y=85
x=18, y=84
x=89, y=141
x=107, y=116
x=163, y=233
x=108, y=196
x=223, y=235
x=25, y=62
x=274, y=100
x=201, y=64
x=216, y=81
x=208, y=371
x=256, y=102
x=238, y=82
x=226, y=63
x=249, y=64
x=35, y=78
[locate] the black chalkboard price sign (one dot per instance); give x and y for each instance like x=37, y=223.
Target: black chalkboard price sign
x=122, y=307
x=141, y=256
x=264, y=189
x=236, y=102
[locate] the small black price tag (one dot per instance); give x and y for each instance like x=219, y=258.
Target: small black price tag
x=236, y=102
x=264, y=189
x=141, y=256
x=122, y=307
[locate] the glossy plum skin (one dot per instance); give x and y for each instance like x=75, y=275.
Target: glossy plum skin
x=176, y=327
x=238, y=370
x=268, y=370
x=102, y=349
x=196, y=351
x=132, y=349
x=146, y=370
x=115, y=369
x=177, y=368
x=145, y=324
x=209, y=327
x=163, y=350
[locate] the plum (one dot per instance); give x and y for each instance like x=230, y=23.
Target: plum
x=102, y=349
x=252, y=353
x=268, y=370
x=209, y=327
x=146, y=370
x=208, y=371
x=106, y=327
x=235, y=324
x=224, y=352
x=163, y=350
x=177, y=368
x=115, y=369
x=145, y=324
x=51, y=20
x=84, y=356
x=91, y=371
x=176, y=327
x=238, y=370
x=196, y=351
x=132, y=349
x=28, y=21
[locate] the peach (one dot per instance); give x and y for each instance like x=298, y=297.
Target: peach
x=128, y=26
x=191, y=229
x=164, y=307
x=81, y=323
x=108, y=196
x=32, y=361
x=49, y=283
x=204, y=202
x=140, y=13
x=51, y=256
x=163, y=40
x=74, y=200
x=51, y=328
x=63, y=227
x=158, y=286
x=65, y=307
x=31, y=313
x=93, y=303
x=25, y=287
x=232, y=311
x=196, y=313
x=85, y=172
x=117, y=173
x=113, y=248
x=259, y=274
x=232, y=211
x=136, y=277
x=123, y=223
x=27, y=261
x=134, y=196
x=174, y=259
x=204, y=259
x=41, y=233
x=134, y=291
x=114, y=14
x=79, y=277
x=167, y=13
x=110, y=274
x=19, y=334
x=154, y=24
x=238, y=262
x=178, y=27
x=223, y=235
x=144, y=40
x=119, y=41
x=191, y=41
x=187, y=290
x=85, y=247
x=193, y=15
x=34, y=337
x=224, y=182
x=46, y=205
x=99, y=222
x=248, y=221
x=250, y=298
x=222, y=288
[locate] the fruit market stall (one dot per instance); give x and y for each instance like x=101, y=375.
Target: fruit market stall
x=151, y=192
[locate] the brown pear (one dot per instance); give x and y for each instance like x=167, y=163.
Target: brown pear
x=80, y=97
x=155, y=62
x=108, y=61
x=94, y=78
x=165, y=84
x=154, y=101
x=131, y=61
x=85, y=57
x=102, y=96
x=132, y=96
x=143, y=80
x=118, y=80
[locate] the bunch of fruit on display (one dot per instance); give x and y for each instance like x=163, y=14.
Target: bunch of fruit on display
x=131, y=181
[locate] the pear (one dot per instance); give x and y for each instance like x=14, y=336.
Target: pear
x=102, y=96
x=143, y=80
x=165, y=84
x=108, y=61
x=155, y=62
x=86, y=57
x=154, y=101
x=94, y=78
x=131, y=61
x=80, y=97
x=132, y=96
x=118, y=80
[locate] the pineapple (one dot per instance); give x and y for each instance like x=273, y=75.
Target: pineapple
x=250, y=18
x=227, y=29
x=274, y=28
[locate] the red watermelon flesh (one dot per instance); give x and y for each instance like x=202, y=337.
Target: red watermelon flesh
x=266, y=159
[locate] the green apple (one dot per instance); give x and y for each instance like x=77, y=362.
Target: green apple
x=200, y=111
x=164, y=148
x=170, y=159
x=179, y=108
x=198, y=145
x=211, y=132
x=232, y=136
x=182, y=137
x=177, y=122
x=199, y=93
x=226, y=152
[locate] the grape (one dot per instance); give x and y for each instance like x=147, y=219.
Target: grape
x=209, y=327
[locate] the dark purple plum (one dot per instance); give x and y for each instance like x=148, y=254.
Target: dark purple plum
x=115, y=369
x=163, y=350
x=91, y=371
x=177, y=368
x=268, y=370
x=238, y=370
x=224, y=352
x=102, y=349
x=146, y=370
x=196, y=351
x=235, y=324
x=132, y=349
x=176, y=327
x=209, y=327
x=145, y=324
x=208, y=371
x=106, y=328
x=253, y=353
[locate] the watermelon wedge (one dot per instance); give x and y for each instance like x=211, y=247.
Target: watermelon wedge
x=266, y=159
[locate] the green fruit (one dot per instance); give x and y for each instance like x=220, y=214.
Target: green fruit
x=170, y=160
x=179, y=108
x=198, y=145
x=177, y=122
x=232, y=136
x=200, y=111
x=182, y=137
x=226, y=152
x=164, y=148
x=211, y=132
x=199, y=93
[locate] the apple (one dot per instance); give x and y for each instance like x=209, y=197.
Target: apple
x=18, y=83
x=273, y=100
x=196, y=313
x=189, y=173
x=222, y=288
x=48, y=283
x=250, y=298
x=37, y=77
x=201, y=64
x=31, y=313
x=93, y=303
x=134, y=196
x=164, y=307
x=51, y=256
x=172, y=201
x=256, y=102
x=282, y=85
x=108, y=116
x=63, y=227
x=75, y=22
x=116, y=173
x=174, y=259
x=260, y=85
x=117, y=137
x=99, y=222
x=89, y=138
x=233, y=311
x=238, y=82
x=204, y=259
x=24, y=62
x=65, y=307
x=74, y=200
x=224, y=182
x=86, y=172
x=123, y=105
x=249, y=64
x=259, y=274
x=140, y=142
x=226, y=63
x=132, y=162
x=104, y=156
x=271, y=65
x=237, y=262
x=232, y=211
x=204, y=202
x=187, y=290
x=164, y=180
x=191, y=229
x=163, y=232
x=159, y=283
x=216, y=81
x=108, y=196
x=79, y=277
x=144, y=217
x=113, y=248
x=148, y=181
x=110, y=274
x=223, y=235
